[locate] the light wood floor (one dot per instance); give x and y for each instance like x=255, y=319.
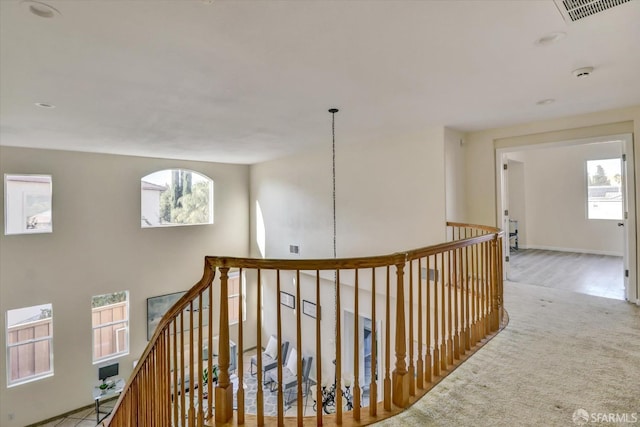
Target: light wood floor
x=598, y=275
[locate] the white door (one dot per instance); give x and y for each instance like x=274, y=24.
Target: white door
x=503, y=209
x=628, y=222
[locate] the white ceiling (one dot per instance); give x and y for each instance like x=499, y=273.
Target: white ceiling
x=247, y=81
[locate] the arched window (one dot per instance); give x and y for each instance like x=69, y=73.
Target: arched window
x=176, y=197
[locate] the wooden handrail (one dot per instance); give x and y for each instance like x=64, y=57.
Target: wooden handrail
x=435, y=315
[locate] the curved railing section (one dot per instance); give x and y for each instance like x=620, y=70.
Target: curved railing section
x=420, y=313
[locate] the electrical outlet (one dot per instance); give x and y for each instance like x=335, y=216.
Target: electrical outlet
x=294, y=249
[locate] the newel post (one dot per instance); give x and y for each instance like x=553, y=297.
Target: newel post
x=400, y=376
x=224, y=389
x=495, y=260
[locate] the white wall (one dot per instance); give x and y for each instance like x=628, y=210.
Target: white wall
x=455, y=175
x=555, y=192
x=98, y=247
x=390, y=197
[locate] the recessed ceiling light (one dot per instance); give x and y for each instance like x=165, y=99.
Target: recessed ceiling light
x=546, y=101
x=551, y=38
x=45, y=105
x=40, y=9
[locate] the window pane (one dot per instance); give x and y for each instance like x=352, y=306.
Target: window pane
x=29, y=337
x=604, y=184
x=234, y=285
x=233, y=298
x=110, y=323
x=27, y=204
x=176, y=197
x=233, y=309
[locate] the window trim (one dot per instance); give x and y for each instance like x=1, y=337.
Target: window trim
x=9, y=217
x=9, y=346
x=126, y=328
x=150, y=225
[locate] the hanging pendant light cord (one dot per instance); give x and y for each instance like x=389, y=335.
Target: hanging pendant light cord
x=333, y=112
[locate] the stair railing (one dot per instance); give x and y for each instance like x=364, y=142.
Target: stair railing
x=435, y=306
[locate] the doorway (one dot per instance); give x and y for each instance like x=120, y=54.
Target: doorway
x=545, y=201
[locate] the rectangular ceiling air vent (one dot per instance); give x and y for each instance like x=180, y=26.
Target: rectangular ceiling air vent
x=574, y=10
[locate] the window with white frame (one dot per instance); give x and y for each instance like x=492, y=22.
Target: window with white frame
x=174, y=197
x=29, y=344
x=604, y=189
x=233, y=294
x=110, y=323
x=27, y=204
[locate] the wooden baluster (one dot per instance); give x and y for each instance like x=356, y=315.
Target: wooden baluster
x=436, y=339
x=373, y=385
x=157, y=382
x=356, y=352
x=338, y=372
x=488, y=289
x=167, y=377
x=183, y=406
x=240, y=352
x=481, y=274
x=318, y=397
x=400, y=376
x=420, y=367
x=485, y=293
x=412, y=369
x=476, y=276
x=174, y=388
x=495, y=318
x=387, y=348
x=450, y=349
x=191, y=370
x=467, y=300
x=474, y=273
x=197, y=375
x=501, y=282
x=224, y=390
x=299, y=344
x=143, y=392
x=456, y=309
x=280, y=357
x=259, y=393
x=164, y=389
x=210, y=389
x=443, y=320
x=428, y=361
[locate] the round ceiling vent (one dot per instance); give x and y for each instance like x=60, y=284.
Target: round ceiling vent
x=582, y=73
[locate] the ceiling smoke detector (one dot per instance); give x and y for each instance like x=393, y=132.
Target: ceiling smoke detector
x=582, y=73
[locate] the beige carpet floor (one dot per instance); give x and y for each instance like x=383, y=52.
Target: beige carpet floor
x=565, y=359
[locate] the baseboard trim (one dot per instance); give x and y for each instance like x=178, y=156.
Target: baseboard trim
x=576, y=250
